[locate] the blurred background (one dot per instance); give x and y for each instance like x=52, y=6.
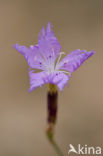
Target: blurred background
x=77, y=25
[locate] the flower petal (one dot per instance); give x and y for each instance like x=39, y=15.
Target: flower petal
x=74, y=60
x=22, y=49
x=36, y=79
x=48, y=43
x=60, y=79
x=32, y=55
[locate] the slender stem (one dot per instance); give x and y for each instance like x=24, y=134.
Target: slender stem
x=55, y=146
x=57, y=149
x=52, y=101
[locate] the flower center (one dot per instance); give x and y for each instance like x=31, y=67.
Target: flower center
x=51, y=65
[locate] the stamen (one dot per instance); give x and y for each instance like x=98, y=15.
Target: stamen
x=48, y=64
x=60, y=54
x=67, y=72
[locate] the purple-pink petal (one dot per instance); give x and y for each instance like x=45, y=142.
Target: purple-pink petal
x=31, y=55
x=48, y=43
x=60, y=79
x=38, y=79
x=22, y=49
x=74, y=60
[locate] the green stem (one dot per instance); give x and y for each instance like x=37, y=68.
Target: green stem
x=56, y=148
x=54, y=144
